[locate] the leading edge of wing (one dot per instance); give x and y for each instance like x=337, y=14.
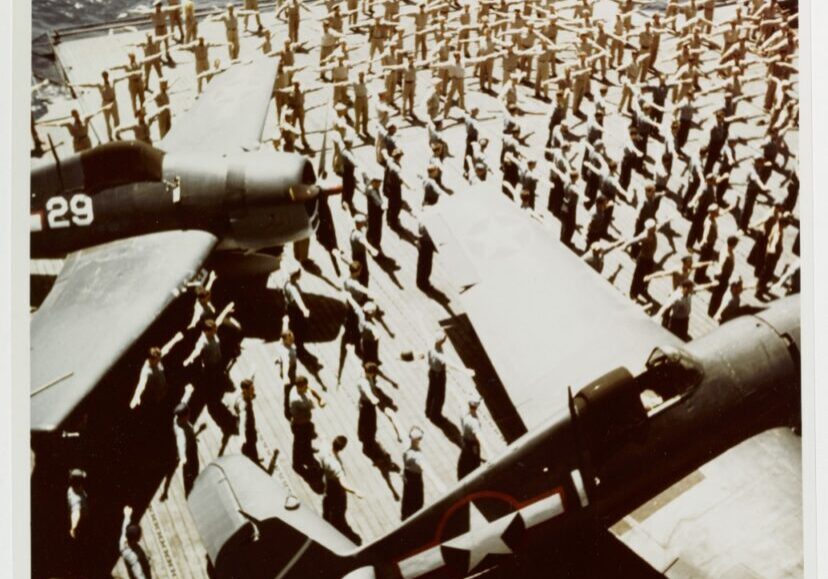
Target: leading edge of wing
x=229, y=116
x=104, y=298
x=545, y=318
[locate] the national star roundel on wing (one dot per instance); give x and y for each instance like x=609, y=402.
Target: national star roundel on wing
x=480, y=533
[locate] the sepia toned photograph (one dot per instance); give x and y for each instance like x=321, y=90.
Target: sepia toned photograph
x=396, y=289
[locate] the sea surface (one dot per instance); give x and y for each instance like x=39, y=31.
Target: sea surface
x=48, y=15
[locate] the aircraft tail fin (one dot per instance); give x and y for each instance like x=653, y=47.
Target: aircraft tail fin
x=252, y=527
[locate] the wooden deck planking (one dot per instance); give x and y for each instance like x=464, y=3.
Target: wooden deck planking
x=412, y=316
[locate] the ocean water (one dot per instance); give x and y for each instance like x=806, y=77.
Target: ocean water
x=48, y=15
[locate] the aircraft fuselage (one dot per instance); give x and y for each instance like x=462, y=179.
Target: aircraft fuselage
x=250, y=201
x=624, y=440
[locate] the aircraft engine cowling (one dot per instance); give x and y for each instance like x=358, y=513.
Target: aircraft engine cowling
x=271, y=178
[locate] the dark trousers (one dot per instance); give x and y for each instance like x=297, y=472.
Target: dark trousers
x=334, y=505
x=680, y=327
x=190, y=472
x=348, y=186
x=412, y=495
x=367, y=422
x=682, y=133
x=716, y=297
x=626, y=170
x=556, y=196
x=425, y=260
x=436, y=395
x=392, y=216
x=591, y=190
x=468, y=154
x=567, y=229
x=249, y=448
x=303, y=435
x=643, y=267
x=374, y=234
x=298, y=325
x=707, y=253
x=469, y=458
x=747, y=209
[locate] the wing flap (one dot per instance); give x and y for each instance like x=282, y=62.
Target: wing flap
x=229, y=116
x=545, y=318
x=104, y=298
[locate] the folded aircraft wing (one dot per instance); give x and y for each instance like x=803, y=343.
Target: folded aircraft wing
x=229, y=116
x=104, y=298
x=544, y=317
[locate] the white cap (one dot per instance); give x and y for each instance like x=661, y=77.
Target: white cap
x=649, y=224
x=370, y=308
x=474, y=401
x=416, y=433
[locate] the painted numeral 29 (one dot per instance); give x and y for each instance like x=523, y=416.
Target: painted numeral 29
x=78, y=208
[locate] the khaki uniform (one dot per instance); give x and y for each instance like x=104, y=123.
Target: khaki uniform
x=252, y=6
x=111, y=115
x=433, y=104
x=408, y=88
x=420, y=24
x=152, y=48
x=485, y=69
x=377, y=39
x=645, y=40
x=361, y=107
x=510, y=63
x=297, y=104
x=202, y=61
x=280, y=92
x=231, y=28
x=442, y=72
x=542, y=73
x=525, y=43
x=190, y=28
x=175, y=14
x=457, y=73
x=80, y=136
x=162, y=99
x=335, y=22
x=463, y=36
x=327, y=46
x=617, y=52
x=159, y=23
x=389, y=62
x=392, y=10
x=340, y=75
x=293, y=18
x=580, y=87
x=135, y=84
x=352, y=11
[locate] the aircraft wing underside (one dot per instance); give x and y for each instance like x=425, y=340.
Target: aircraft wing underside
x=103, y=299
x=545, y=318
x=229, y=116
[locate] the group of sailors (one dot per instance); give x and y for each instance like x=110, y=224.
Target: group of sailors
x=682, y=151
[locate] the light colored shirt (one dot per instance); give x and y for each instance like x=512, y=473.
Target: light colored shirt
x=331, y=467
x=301, y=405
x=153, y=378
x=470, y=427
x=135, y=559
x=413, y=460
x=436, y=361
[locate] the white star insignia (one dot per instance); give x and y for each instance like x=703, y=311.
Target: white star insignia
x=483, y=538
